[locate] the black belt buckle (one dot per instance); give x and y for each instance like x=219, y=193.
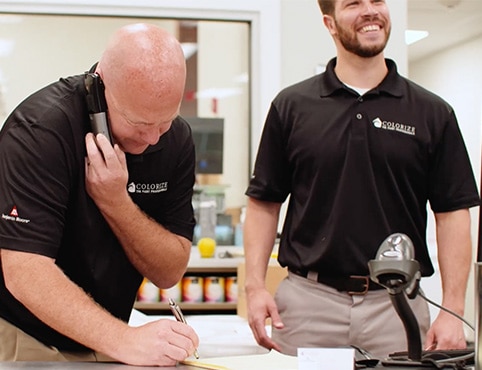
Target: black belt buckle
x=365, y=284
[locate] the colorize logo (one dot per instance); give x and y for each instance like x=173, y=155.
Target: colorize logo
x=13, y=216
x=147, y=188
x=393, y=126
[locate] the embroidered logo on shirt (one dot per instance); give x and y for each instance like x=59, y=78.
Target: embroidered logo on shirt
x=14, y=211
x=147, y=188
x=13, y=216
x=393, y=126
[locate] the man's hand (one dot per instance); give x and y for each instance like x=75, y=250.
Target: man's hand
x=158, y=343
x=145, y=241
x=106, y=171
x=261, y=306
x=446, y=332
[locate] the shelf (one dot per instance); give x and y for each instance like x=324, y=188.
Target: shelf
x=201, y=308
x=203, y=267
x=196, y=263
x=187, y=306
x=211, y=270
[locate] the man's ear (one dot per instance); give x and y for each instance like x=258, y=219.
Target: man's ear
x=329, y=22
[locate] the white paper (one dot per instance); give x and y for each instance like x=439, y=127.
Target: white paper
x=326, y=358
x=219, y=335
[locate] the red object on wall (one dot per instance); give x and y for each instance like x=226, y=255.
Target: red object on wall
x=214, y=105
x=190, y=95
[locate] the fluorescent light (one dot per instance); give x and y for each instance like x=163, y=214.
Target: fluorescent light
x=6, y=47
x=218, y=93
x=412, y=36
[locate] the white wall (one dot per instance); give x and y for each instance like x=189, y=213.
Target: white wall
x=455, y=74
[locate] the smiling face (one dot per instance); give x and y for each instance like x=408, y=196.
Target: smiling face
x=361, y=27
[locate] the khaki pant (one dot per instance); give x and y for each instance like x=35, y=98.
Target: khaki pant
x=316, y=315
x=16, y=345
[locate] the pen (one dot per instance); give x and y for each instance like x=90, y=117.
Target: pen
x=176, y=311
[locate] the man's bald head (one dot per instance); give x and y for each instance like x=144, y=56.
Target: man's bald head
x=143, y=59
x=144, y=73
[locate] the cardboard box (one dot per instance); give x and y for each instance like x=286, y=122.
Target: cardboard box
x=274, y=275
x=235, y=214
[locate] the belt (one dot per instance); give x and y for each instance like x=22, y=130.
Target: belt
x=353, y=285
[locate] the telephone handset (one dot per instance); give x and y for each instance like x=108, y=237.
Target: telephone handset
x=97, y=105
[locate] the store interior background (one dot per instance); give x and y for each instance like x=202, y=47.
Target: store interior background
x=242, y=65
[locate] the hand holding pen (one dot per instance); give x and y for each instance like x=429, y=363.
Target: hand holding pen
x=176, y=311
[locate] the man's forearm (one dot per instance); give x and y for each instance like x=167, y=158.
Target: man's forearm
x=259, y=235
x=36, y=281
x=455, y=256
x=157, y=253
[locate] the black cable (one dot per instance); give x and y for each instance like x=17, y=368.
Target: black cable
x=446, y=310
x=468, y=356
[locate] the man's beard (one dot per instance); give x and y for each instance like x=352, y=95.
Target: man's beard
x=351, y=44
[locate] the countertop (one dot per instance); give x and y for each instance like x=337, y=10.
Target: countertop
x=110, y=366
x=82, y=366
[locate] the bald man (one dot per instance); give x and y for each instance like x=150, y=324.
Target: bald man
x=83, y=221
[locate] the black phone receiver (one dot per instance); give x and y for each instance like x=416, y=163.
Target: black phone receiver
x=97, y=105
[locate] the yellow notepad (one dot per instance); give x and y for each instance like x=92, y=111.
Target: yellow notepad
x=272, y=360
x=203, y=365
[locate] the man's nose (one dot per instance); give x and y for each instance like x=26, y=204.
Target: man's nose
x=151, y=135
x=369, y=8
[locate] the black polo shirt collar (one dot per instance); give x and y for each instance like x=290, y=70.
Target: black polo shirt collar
x=391, y=84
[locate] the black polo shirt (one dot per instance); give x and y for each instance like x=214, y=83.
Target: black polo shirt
x=359, y=168
x=45, y=208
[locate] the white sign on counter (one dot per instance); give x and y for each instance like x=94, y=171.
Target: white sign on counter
x=326, y=358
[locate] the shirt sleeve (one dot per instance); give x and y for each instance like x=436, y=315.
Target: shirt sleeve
x=453, y=185
x=271, y=176
x=35, y=183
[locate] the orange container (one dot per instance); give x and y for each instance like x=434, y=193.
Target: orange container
x=231, y=289
x=192, y=289
x=213, y=289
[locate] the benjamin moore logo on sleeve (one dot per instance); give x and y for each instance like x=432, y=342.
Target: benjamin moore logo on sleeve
x=13, y=216
x=394, y=126
x=147, y=188
x=14, y=212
